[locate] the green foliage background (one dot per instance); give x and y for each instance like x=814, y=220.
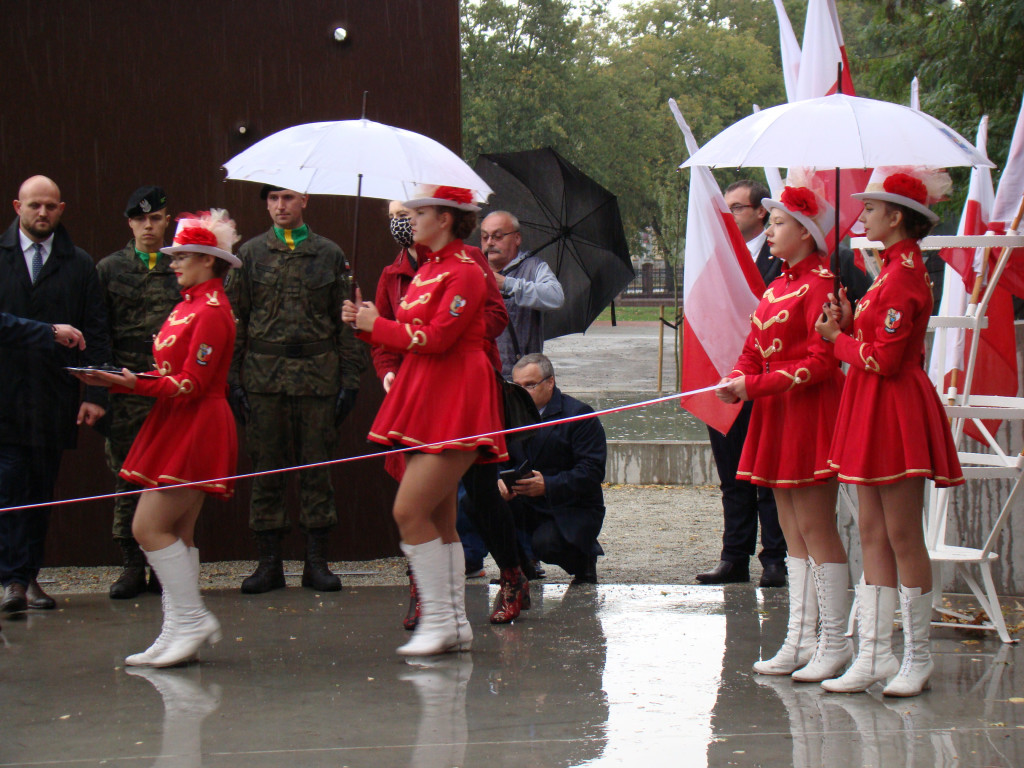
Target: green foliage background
x=595, y=85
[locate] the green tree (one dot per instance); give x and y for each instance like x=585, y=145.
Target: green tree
x=968, y=56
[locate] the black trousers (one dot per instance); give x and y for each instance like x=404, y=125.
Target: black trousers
x=27, y=476
x=490, y=515
x=744, y=504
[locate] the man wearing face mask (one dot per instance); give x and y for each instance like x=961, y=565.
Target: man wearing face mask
x=294, y=379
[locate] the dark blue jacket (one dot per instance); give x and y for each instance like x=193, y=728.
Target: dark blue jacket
x=572, y=458
x=28, y=334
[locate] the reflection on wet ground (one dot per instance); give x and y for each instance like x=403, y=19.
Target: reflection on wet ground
x=595, y=676
x=661, y=421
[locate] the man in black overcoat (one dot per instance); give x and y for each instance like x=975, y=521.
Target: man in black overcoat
x=43, y=277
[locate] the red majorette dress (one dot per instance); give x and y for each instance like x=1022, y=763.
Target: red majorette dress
x=446, y=388
x=793, y=379
x=891, y=422
x=190, y=434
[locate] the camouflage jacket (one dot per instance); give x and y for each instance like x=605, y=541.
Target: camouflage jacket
x=284, y=298
x=138, y=301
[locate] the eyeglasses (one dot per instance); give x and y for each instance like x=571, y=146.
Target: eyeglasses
x=496, y=237
x=737, y=207
x=536, y=384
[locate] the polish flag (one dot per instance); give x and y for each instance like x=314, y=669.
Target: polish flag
x=790, y=49
x=995, y=371
x=823, y=51
x=721, y=289
x=1006, y=205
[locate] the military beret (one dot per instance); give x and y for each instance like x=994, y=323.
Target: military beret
x=145, y=200
x=266, y=189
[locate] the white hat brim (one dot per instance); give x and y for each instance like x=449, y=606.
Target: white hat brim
x=816, y=234
x=890, y=197
x=422, y=201
x=212, y=250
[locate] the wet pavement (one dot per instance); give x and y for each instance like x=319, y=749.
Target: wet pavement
x=591, y=676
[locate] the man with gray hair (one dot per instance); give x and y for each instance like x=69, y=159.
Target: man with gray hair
x=527, y=284
x=558, y=499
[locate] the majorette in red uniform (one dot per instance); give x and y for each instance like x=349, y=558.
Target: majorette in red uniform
x=892, y=433
x=891, y=422
x=791, y=374
x=447, y=389
x=794, y=381
x=190, y=433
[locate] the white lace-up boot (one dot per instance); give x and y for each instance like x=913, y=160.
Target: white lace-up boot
x=876, y=609
x=798, y=647
x=917, y=656
x=457, y=564
x=437, y=630
x=833, y=650
x=191, y=623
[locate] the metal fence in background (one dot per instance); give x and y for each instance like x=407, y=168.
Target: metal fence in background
x=654, y=280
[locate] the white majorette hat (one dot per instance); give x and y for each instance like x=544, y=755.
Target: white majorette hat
x=211, y=232
x=915, y=187
x=805, y=205
x=452, y=197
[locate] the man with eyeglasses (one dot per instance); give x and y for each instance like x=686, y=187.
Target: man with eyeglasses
x=743, y=503
x=527, y=284
x=559, y=502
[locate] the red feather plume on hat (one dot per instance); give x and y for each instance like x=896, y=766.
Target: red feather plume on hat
x=908, y=186
x=801, y=200
x=455, y=194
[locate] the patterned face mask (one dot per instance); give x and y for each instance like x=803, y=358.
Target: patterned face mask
x=401, y=230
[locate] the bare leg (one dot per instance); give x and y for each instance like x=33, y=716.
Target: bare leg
x=879, y=558
x=426, y=493
x=795, y=545
x=815, y=514
x=162, y=517
x=903, y=503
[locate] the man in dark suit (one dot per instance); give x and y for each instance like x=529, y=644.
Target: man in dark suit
x=559, y=502
x=743, y=503
x=43, y=277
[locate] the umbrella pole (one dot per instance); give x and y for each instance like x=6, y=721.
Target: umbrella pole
x=836, y=282
x=355, y=235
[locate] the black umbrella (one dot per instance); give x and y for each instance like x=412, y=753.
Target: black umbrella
x=571, y=222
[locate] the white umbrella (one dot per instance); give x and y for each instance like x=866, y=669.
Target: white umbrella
x=353, y=157
x=838, y=131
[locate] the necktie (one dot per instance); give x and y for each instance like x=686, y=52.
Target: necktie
x=37, y=261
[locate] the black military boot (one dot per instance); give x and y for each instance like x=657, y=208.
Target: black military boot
x=269, y=573
x=132, y=580
x=315, y=573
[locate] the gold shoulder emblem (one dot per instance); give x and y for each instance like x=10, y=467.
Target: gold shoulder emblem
x=907, y=260
x=770, y=294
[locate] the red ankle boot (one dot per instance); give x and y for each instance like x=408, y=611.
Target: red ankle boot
x=412, y=616
x=513, y=596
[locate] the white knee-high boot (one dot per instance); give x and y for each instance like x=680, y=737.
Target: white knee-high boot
x=192, y=624
x=917, y=664
x=457, y=564
x=437, y=630
x=798, y=647
x=833, y=650
x=876, y=609
x=145, y=658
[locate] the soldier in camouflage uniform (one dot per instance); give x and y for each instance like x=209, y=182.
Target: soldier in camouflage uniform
x=294, y=378
x=140, y=290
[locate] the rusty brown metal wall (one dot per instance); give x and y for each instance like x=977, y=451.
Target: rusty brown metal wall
x=104, y=96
